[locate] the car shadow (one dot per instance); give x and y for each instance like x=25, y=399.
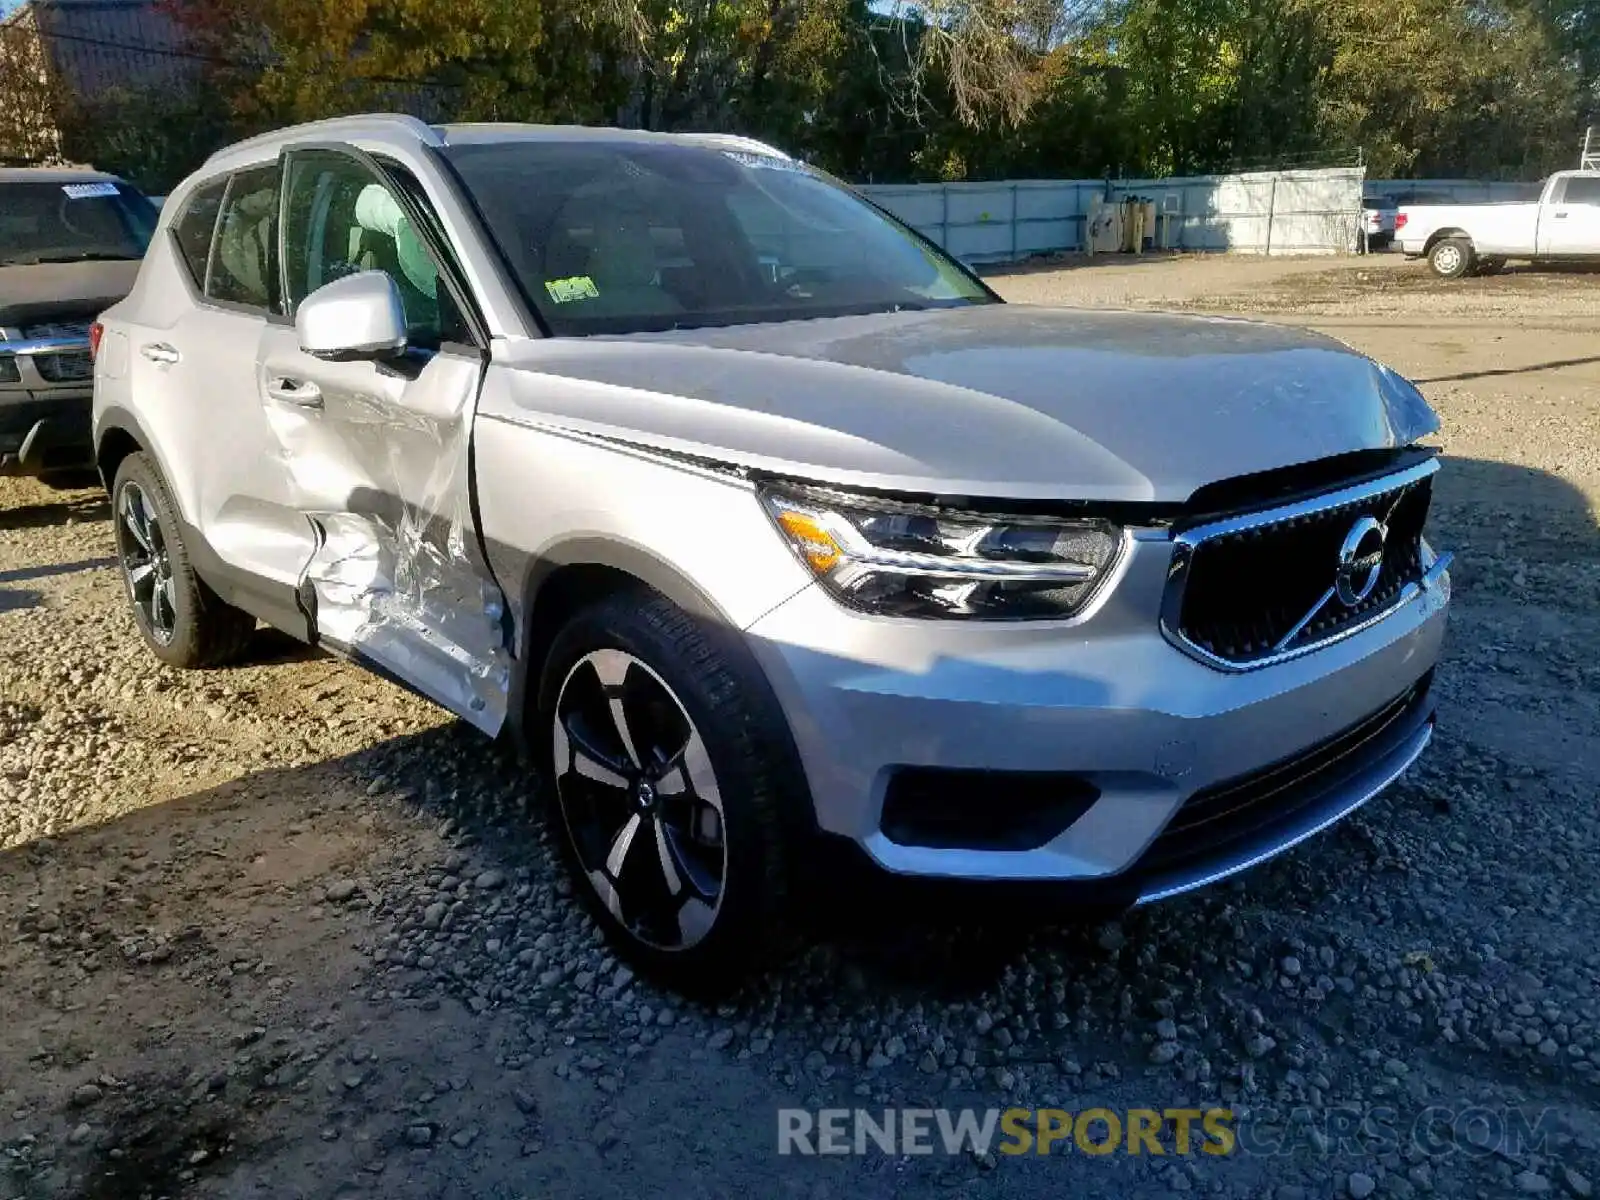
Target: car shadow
x=1575, y=267
x=272, y=647
x=96, y=507
x=24, y=574
x=16, y=599
x=1497, y=372
x=487, y=797
x=1503, y=520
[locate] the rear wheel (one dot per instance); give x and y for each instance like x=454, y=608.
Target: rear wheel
x=665, y=790
x=1451, y=258
x=184, y=622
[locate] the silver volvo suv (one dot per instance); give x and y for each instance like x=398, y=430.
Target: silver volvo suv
x=771, y=534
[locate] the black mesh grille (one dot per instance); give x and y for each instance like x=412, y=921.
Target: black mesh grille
x=72, y=366
x=56, y=329
x=1245, y=592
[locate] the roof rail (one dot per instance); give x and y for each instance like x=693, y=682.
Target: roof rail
x=1591, y=150
x=355, y=124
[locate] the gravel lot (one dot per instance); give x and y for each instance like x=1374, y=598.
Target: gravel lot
x=285, y=931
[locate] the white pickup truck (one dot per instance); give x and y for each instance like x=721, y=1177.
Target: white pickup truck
x=1459, y=239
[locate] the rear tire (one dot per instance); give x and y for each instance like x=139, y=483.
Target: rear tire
x=669, y=816
x=182, y=621
x=1452, y=258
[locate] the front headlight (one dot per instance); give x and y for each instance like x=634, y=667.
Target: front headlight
x=906, y=560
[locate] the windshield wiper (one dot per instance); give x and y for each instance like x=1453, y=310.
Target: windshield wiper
x=82, y=256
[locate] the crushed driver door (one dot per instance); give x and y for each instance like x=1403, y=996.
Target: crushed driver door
x=380, y=451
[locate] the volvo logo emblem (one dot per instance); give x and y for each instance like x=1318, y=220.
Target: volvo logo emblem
x=1360, y=561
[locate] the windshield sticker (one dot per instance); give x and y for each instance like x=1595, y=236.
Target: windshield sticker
x=87, y=191
x=578, y=287
x=762, y=162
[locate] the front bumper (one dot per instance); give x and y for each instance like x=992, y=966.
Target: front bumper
x=42, y=430
x=46, y=398
x=1104, y=698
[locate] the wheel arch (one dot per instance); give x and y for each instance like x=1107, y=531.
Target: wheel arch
x=1449, y=231
x=118, y=436
x=574, y=574
x=580, y=572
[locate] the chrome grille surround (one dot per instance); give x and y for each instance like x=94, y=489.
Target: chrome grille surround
x=1277, y=635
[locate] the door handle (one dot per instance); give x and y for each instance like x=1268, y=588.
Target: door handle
x=301, y=393
x=1561, y=216
x=160, y=352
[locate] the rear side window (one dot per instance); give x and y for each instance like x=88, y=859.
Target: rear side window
x=1583, y=189
x=194, y=229
x=244, y=268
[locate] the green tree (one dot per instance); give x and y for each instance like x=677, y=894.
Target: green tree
x=948, y=89
x=1431, y=87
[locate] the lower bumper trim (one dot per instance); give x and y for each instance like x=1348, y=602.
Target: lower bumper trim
x=45, y=434
x=1352, y=793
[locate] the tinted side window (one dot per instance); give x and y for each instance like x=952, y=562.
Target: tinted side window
x=194, y=229
x=1583, y=189
x=342, y=219
x=244, y=268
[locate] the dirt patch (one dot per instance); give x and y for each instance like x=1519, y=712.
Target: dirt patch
x=158, y=1147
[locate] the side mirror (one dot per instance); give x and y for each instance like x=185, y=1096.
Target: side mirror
x=358, y=317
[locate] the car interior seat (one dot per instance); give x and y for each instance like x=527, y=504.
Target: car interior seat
x=244, y=251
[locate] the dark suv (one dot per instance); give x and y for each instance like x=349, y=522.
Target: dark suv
x=70, y=244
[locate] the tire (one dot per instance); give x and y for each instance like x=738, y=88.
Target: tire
x=1452, y=258
x=182, y=621
x=721, y=808
x=1490, y=266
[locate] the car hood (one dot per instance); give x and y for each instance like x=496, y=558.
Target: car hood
x=1004, y=401
x=53, y=291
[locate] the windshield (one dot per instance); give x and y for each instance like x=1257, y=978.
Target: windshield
x=608, y=237
x=73, y=221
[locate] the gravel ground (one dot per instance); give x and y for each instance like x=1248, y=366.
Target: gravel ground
x=286, y=931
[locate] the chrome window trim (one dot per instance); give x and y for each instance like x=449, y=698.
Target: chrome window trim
x=1187, y=541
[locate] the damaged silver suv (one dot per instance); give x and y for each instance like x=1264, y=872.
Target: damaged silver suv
x=763, y=525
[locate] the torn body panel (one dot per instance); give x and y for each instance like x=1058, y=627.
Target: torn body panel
x=381, y=462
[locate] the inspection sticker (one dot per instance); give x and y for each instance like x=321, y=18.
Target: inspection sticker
x=763, y=162
x=578, y=287
x=87, y=191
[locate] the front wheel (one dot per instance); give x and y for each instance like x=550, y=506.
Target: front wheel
x=666, y=790
x=1451, y=258
x=184, y=622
